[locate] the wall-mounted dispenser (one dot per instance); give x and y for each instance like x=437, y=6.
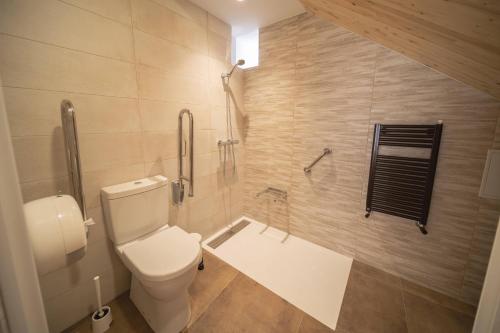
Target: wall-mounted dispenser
x=58, y=225
x=56, y=229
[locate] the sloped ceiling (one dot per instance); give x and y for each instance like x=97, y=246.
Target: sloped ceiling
x=460, y=38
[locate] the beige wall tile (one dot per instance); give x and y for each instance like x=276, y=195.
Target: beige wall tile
x=94, y=181
x=218, y=47
x=98, y=114
x=167, y=168
x=204, y=142
x=157, y=116
x=118, y=10
x=95, y=114
x=104, y=151
x=203, y=165
x=190, y=34
x=40, y=157
x=187, y=10
x=219, y=27
x=24, y=119
x=37, y=189
x=30, y=64
x=62, y=310
x=54, y=22
x=153, y=18
x=99, y=258
x=159, y=146
x=219, y=120
x=97, y=232
x=169, y=56
x=205, y=186
x=166, y=86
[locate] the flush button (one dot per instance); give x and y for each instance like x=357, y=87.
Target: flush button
x=137, y=183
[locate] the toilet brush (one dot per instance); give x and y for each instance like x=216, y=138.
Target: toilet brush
x=101, y=318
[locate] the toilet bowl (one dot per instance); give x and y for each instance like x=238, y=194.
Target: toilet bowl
x=163, y=260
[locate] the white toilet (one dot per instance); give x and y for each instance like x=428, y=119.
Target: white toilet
x=163, y=260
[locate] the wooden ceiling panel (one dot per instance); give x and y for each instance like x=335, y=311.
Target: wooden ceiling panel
x=460, y=38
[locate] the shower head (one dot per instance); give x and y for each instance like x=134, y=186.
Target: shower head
x=240, y=62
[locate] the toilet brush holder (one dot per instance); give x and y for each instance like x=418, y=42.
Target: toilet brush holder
x=102, y=318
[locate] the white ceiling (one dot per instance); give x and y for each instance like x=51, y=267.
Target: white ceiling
x=247, y=15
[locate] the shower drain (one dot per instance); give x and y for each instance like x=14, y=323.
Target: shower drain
x=228, y=234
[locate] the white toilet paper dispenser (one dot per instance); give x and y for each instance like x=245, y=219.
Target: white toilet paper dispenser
x=57, y=229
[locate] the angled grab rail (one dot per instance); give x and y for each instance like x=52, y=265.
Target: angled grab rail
x=326, y=151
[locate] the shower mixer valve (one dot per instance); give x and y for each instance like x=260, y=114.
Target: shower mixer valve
x=227, y=142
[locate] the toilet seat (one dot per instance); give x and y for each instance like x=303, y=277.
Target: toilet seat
x=164, y=255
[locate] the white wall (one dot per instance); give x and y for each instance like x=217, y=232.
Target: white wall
x=488, y=313
x=18, y=278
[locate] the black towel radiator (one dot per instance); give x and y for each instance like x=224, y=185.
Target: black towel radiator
x=398, y=185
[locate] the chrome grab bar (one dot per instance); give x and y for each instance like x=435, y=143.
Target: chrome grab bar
x=178, y=186
x=72, y=148
x=326, y=151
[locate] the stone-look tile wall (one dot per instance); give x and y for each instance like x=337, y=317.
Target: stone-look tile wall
x=319, y=86
x=128, y=66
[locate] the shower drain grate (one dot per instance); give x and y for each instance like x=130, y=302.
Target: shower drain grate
x=228, y=234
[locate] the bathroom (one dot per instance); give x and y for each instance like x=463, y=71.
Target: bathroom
x=238, y=141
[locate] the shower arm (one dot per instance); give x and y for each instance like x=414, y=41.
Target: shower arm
x=191, y=150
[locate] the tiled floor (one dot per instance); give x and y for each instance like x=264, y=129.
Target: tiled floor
x=224, y=300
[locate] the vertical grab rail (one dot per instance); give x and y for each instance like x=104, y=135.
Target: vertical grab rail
x=70, y=132
x=181, y=172
x=178, y=186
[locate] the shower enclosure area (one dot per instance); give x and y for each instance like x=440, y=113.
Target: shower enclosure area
x=316, y=278
x=319, y=85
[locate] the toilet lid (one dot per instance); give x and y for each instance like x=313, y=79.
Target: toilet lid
x=163, y=255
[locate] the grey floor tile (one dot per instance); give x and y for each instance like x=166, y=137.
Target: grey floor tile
x=424, y=316
x=436, y=297
x=311, y=325
x=371, y=305
x=246, y=306
x=209, y=284
x=126, y=319
x=224, y=300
